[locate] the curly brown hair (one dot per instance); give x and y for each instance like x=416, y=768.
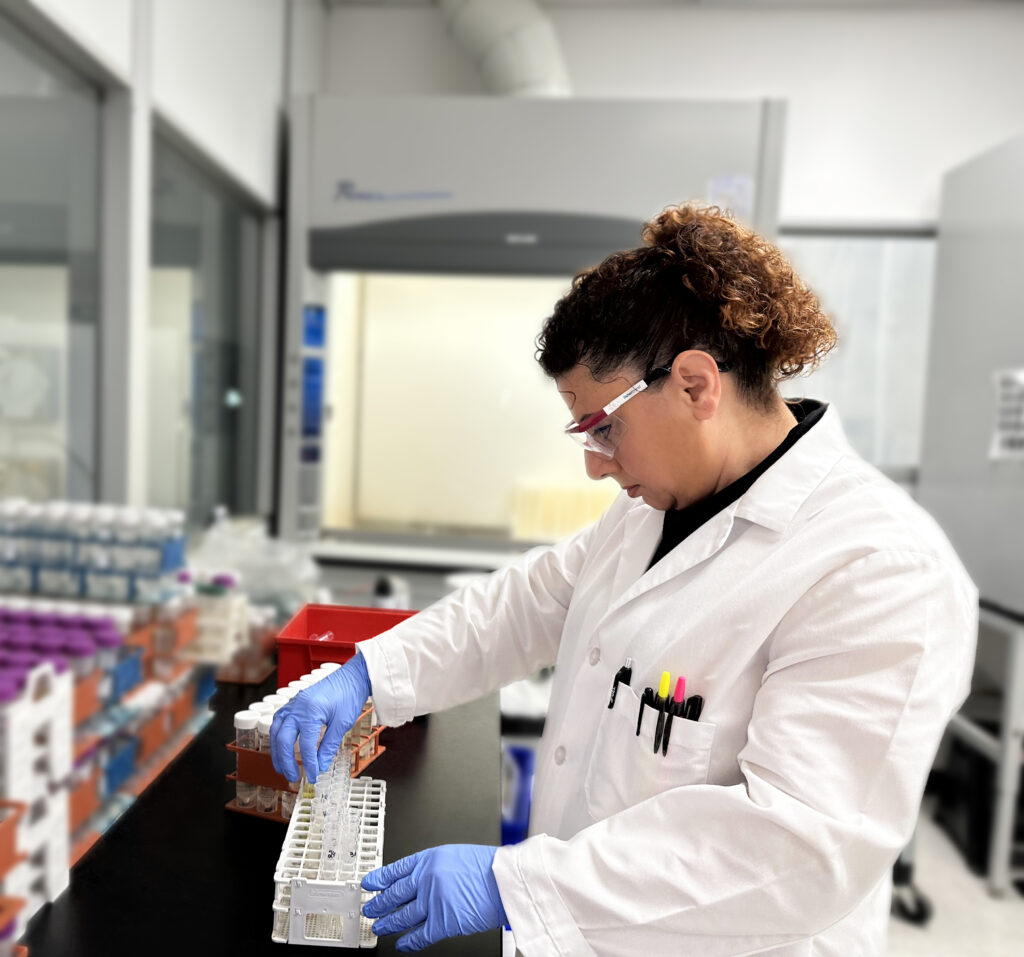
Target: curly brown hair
x=701, y=281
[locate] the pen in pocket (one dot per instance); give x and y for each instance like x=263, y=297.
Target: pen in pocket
x=623, y=676
x=647, y=699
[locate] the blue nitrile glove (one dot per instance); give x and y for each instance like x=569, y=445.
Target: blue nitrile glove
x=334, y=701
x=446, y=891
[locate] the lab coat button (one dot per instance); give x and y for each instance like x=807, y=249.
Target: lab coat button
x=595, y=655
x=559, y=755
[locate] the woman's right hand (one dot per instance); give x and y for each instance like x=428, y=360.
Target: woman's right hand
x=335, y=701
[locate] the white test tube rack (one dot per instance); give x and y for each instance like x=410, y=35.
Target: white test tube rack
x=326, y=913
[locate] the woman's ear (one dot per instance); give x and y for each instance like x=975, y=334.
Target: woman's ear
x=696, y=376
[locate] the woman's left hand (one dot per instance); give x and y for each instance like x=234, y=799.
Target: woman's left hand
x=442, y=892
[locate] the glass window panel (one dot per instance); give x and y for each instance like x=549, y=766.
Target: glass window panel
x=878, y=291
x=447, y=424
x=49, y=274
x=203, y=342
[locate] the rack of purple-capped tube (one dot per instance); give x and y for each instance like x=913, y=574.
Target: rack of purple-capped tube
x=71, y=639
x=74, y=713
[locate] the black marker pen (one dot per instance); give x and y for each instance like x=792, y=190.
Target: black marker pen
x=624, y=675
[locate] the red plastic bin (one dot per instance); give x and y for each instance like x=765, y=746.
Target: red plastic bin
x=298, y=652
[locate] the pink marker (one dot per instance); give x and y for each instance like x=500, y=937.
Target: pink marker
x=675, y=709
x=680, y=692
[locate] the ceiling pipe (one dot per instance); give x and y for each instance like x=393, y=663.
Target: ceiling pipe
x=513, y=44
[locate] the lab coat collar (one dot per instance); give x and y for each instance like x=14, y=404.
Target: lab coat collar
x=772, y=502
x=774, y=499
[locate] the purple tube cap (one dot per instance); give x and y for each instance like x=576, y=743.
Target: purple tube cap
x=108, y=639
x=79, y=647
x=48, y=643
x=9, y=691
x=27, y=659
x=21, y=639
x=16, y=673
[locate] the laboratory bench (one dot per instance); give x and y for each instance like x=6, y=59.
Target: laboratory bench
x=178, y=874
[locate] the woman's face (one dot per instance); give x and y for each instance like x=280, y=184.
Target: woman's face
x=665, y=456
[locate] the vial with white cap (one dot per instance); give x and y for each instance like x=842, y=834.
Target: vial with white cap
x=317, y=673
x=261, y=707
x=330, y=666
x=245, y=729
x=263, y=729
x=276, y=700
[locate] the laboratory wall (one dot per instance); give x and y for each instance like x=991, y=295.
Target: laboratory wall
x=218, y=77
x=103, y=27
x=218, y=71
x=881, y=100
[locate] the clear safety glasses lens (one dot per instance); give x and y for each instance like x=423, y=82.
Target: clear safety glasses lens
x=603, y=438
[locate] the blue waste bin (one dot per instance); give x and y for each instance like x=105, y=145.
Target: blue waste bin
x=517, y=763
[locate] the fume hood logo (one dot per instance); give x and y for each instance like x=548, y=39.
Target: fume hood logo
x=347, y=190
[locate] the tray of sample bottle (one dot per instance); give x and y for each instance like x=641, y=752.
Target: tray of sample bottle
x=335, y=838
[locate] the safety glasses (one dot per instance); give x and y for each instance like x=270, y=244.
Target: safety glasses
x=603, y=431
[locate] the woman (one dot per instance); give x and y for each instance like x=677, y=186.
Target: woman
x=821, y=617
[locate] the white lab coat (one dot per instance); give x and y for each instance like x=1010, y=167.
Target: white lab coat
x=830, y=629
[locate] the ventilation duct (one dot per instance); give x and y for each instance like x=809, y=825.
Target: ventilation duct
x=512, y=43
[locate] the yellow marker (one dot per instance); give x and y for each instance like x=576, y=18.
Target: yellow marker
x=661, y=703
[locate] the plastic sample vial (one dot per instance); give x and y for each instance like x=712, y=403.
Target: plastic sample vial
x=274, y=699
x=108, y=644
x=261, y=707
x=263, y=730
x=266, y=800
x=245, y=794
x=288, y=799
x=246, y=734
x=317, y=673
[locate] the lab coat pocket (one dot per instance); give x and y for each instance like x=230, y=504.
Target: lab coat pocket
x=624, y=770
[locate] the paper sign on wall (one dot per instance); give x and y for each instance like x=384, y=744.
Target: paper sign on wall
x=1008, y=435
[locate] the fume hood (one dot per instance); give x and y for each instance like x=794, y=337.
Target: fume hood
x=490, y=185
x=475, y=184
